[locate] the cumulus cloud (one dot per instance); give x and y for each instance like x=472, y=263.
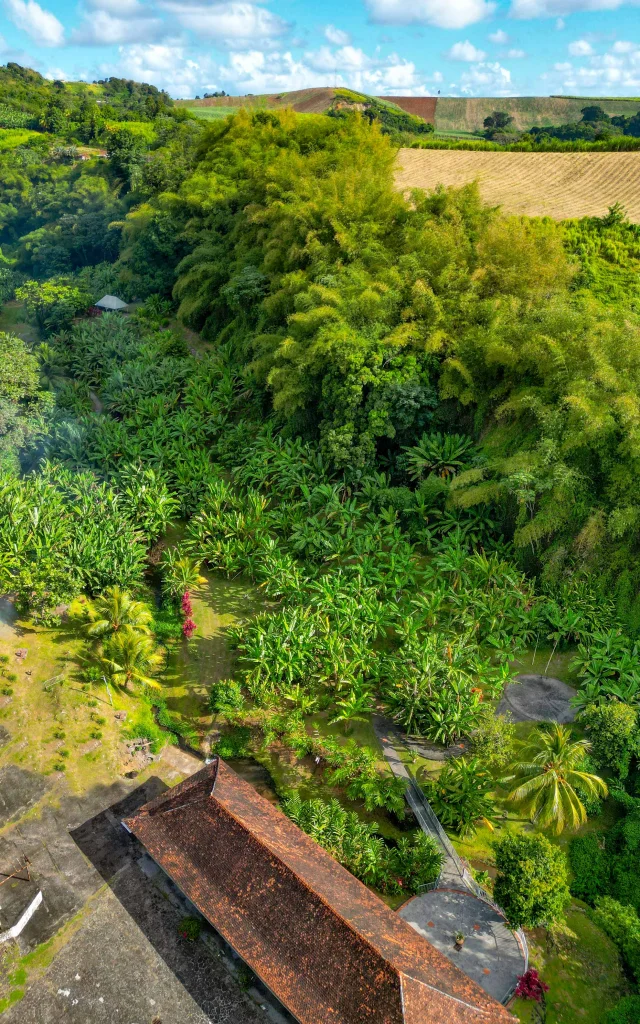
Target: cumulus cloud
x=580, y=48
x=465, y=51
x=486, y=79
x=499, y=37
x=236, y=24
x=41, y=26
x=515, y=54
x=336, y=36
x=624, y=47
x=454, y=14
x=100, y=28
x=615, y=73
x=169, y=66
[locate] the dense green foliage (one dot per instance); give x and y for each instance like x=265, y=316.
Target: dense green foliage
x=531, y=883
x=460, y=795
x=622, y=924
x=607, y=865
x=391, y=118
x=411, y=863
x=22, y=400
x=627, y=1011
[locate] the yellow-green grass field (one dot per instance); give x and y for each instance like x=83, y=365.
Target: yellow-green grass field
x=11, y=138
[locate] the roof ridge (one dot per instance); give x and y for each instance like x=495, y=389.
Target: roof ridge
x=399, y=972
x=456, y=999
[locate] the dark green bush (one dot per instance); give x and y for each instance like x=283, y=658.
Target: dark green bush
x=234, y=743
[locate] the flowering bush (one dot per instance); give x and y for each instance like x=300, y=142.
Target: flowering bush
x=188, y=628
x=187, y=610
x=531, y=986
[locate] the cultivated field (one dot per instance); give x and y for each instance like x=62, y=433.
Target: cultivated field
x=527, y=111
x=558, y=185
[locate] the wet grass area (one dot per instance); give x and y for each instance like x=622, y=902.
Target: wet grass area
x=194, y=665
x=582, y=968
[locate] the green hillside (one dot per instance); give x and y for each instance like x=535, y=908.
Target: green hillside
x=459, y=114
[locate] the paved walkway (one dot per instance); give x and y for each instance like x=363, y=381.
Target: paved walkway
x=491, y=954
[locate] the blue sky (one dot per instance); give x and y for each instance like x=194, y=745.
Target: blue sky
x=404, y=47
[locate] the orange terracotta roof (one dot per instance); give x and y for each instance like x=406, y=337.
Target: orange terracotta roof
x=324, y=944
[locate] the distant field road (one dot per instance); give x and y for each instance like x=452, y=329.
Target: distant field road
x=558, y=185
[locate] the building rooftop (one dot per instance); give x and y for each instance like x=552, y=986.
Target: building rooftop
x=111, y=302
x=323, y=943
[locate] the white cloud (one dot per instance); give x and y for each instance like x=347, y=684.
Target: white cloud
x=120, y=8
x=336, y=36
x=624, y=47
x=168, y=65
x=346, y=58
x=56, y=75
x=42, y=26
x=486, y=79
x=465, y=51
x=551, y=8
x=580, y=48
x=454, y=14
x=237, y=24
x=559, y=24
x=616, y=73
x=499, y=37
x=100, y=28
x=515, y=54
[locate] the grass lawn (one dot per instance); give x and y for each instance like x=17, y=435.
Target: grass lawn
x=580, y=965
x=213, y=113
x=192, y=666
x=55, y=726
x=13, y=321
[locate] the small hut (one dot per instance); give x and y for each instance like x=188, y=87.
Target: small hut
x=111, y=304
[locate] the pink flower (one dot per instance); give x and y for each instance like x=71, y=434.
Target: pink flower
x=188, y=628
x=186, y=604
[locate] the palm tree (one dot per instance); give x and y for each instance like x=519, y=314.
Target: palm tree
x=549, y=784
x=129, y=657
x=114, y=610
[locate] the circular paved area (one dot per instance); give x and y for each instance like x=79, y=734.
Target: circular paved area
x=536, y=698
x=491, y=955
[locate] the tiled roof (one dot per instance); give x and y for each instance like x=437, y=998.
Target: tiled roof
x=324, y=944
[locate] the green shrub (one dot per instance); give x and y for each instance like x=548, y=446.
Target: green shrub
x=531, y=885
x=590, y=866
x=234, y=743
x=627, y=1011
x=622, y=925
x=612, y=729
x=167, y=624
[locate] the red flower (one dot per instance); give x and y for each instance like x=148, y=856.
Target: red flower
x=186, y=604
x=188, y=628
